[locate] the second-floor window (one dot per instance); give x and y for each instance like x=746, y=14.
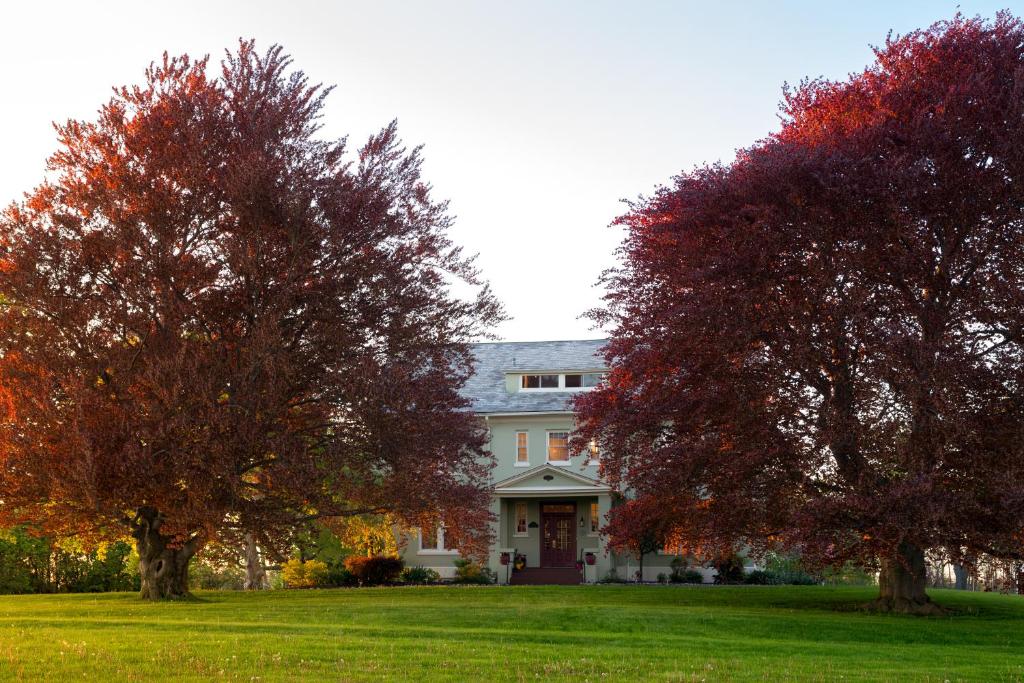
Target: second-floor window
x=522, y=448
x=558, y=447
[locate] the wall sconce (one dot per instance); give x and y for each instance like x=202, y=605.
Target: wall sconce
x=581, y=523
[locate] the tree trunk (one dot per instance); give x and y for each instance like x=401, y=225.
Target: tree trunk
x=163, y=565
x=255, y=574
x=902, y=584
x=960, y=574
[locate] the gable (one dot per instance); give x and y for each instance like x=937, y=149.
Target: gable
x=548, y=480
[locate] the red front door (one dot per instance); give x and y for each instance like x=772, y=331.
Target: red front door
x=558, y=534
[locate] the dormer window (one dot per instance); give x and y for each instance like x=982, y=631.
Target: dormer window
x=570, y=381
x=541, y=381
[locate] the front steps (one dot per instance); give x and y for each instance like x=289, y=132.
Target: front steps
x=546, y=576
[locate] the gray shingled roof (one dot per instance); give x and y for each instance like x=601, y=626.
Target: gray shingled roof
x=486, y=388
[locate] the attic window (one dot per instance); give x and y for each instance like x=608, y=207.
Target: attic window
x=570, y=381
x=540, y=381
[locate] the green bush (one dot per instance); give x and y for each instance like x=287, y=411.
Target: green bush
x=789, y=570
x=339, y=577
x=374, y=570
x=760, y=577
x=420, y=575
x=467, y=571
x=686, y=576
x=662, y=577
x=37, y=564
x=209, y=576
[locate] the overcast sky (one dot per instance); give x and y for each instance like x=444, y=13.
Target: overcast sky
x=537, y=117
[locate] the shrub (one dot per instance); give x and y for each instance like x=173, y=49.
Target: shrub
x=468, y=571
x=760, y=577
x=419, y=575
x=339, y=577
x=730, y=569
x=686, y=576
x=210, y=576
x=789, y=570
x=374, y=570
x=612, y=577
x=662, y=577
x=299, y=574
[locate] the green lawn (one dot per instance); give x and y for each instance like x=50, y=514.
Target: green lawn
x=499, y=633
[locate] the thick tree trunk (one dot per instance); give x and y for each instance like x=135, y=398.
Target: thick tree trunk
x=255, y=574
x=902, y=584
x=960, y=574
x=163, y=565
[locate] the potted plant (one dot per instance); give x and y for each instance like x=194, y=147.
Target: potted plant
x=504, y=559
x=520, y=562
x=590, y=558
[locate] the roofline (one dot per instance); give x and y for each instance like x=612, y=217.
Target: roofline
x=542, y=341
x=541, y=371
x=527, y=412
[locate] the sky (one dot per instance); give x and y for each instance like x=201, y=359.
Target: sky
x=537, y=119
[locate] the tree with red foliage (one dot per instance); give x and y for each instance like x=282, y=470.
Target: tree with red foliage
x=214, y=321
x=821, y=345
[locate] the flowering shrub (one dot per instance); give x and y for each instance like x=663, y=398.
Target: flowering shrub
x=299, y=574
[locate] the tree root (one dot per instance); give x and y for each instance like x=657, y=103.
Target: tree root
x=921, y=608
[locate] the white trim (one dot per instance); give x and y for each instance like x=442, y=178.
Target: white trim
x=591, y=484
x=528, y=413
x=552, y=491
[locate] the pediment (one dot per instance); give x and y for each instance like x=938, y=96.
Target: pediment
x=549, y=479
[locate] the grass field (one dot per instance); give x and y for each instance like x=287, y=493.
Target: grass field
x=500, y=633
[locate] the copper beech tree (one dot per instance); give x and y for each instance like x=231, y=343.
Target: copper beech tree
x=214, y=320
x=820, y=346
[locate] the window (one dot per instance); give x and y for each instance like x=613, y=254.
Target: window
x=558, y=447
x=593, y=453
x=435, y=542
x=540, y=381
x=585, y=380
x=572, y=381
x=595, y=519
x=522, y=448
x=521, y=521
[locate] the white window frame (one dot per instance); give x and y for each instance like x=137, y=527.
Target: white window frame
x=561, y=381
x=515, y=519
x=590, y=528
x=440, y=549
x=547, y=450
x=518, y=462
